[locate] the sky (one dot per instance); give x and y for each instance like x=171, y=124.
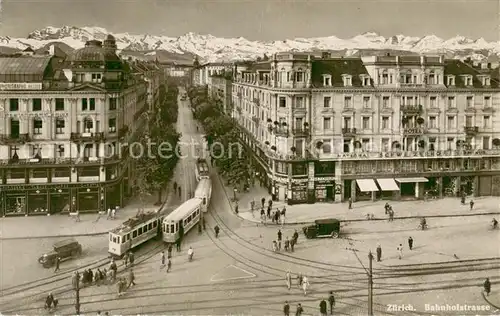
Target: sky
x=259, y=19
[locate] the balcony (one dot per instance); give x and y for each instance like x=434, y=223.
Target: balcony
x=349, y=132
x=281, y=131
x=411, y=109
x=300, y=132
x=409, y=131
x=471, y=130
x=14, y=139
x=87, y=137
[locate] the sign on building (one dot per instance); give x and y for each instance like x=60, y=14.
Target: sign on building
x=20, y=86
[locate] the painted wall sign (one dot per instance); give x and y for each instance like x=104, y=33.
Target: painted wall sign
x=20, y=86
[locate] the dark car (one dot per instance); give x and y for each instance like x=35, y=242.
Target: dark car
x=65, y=249
x=323, y=228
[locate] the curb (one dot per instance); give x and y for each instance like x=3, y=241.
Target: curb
x=489, y=302
x=441, y=262
x=377, y=219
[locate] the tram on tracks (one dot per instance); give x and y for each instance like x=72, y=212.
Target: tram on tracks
x=201, y=171
x=204, y=192
x=178, y=223
x=134, y=232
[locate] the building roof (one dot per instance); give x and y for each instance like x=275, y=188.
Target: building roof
x=459, y=68
x=336, y=67
x=23, y=65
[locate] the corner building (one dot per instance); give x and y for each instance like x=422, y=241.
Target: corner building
x=62, y=122
x=330, y=129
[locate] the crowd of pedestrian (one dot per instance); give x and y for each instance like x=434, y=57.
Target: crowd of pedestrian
x=289, y=243
x=323, y=306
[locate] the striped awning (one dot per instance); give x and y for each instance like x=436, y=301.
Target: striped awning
x=388, y=185
x=367, y=185
x=412, y=180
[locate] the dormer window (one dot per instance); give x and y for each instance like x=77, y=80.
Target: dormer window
x=385, y=77
x=96, y=77
x=431, y=79
x=347, y=80
x=365, y=80
x=451, y=80
x=467, y=80
x=327, y=80
x=486, y=81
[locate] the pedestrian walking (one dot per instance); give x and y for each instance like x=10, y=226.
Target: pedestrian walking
x=288, y=279
x=305, y=284
x=350, y=203
x=331, y=300
x=283, y=215
x=109, y=213
x=296, y=237
x=471, y=204
x=269, y=212
x=287, y=244
x=299, y=280
x=487, y=286
x=77, y=216
x=270, y=203
x=236, y=208
x=262, y=215
x=286, y=309
x=410, y=243
x=131, y=258
x=277, y=216
x=279, y=239
x=162, y=258
x=178, y=245
x=263, y=201
x=273, y=217
x=126, y=258
x=216, y=229
x=169, y=265
x=292, y=244
x=58, y=262
x=322, y=308
x=379, y=253
x=169, y=251
x=275, y=246
x=299, y=310
x=252, y=205
x=391, y=215
x=131, y=277
x=113, y=213
x=400, y=251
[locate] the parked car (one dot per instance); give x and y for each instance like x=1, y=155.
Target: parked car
x=323, y=228
x=65, y=249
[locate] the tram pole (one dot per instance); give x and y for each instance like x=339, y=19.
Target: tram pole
x=370, y=285
x=77, y=290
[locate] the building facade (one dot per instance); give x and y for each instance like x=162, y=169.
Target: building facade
x=332, y=129
x=202, y=74
x=64, y=125
x=220, y=89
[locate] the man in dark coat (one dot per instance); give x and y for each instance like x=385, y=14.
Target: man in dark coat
x=299, y=310
x=169, y=251
x=331, y=300
x=286, y=309
x=279, y=239
x=379, y=253
x=131, y=258
x=58, y=262
x=410, y=243
x=263, y=200
x=487, y=286
x=322, y=308
x=296, y=237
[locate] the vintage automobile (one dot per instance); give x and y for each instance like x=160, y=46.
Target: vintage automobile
x=65, y=249
x=323, y=228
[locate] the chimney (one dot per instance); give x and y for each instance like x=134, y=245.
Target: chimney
x=52, y=50
x=326, y=55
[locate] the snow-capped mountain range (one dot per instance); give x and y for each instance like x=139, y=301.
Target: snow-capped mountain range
x=210, y=48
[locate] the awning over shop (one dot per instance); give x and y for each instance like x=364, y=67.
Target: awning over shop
x=388, y=184
x=411, y=180
x=367, y=185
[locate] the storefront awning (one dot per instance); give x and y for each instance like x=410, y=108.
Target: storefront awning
x=367, y=185
x=388, y=184
x=411, y=180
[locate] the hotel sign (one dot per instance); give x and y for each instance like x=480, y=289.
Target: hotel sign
x=21, y=86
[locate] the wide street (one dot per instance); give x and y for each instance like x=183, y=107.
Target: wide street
x=239, y=274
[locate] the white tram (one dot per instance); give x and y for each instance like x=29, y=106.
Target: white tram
x=133, y=232
x=201, y=170
x=182, y=218
x=204, y=192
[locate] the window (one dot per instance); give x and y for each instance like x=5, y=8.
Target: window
x=486, y=81
x=451, y=102
x=282, y=102
x=451, y=81
x=60, y=151
x=347, y=81
x=366, y=81
x=327, y=81
x=468, y=120
x=96, y=77
x=327, y=146
x=366, y=122
x=385, y=77
x=432, y=122
x=85, y=105
x=88, y=125
x=468, y=81
x=59, y=104
x=451, y=122
x=469, y=102
x=298, y=123
x=112, y=125
x=299, y=102
x=112, y=104
x=432, y=79
x=486, y=142
x=347, y=102
x=37, y=126
x=92, y=104
x=327, y=102
x=366, y=102
x=13, y=151
x=299, y=76
x=347, y=122
x=450, y=141
x=433, y=102
x=37, y=104
x=385, y=144
x=486, y=121
x=60, y=125
x=13, y=105
x=36, y=151
x=385, y=122
x=487, y=101
x=385, y=102
x=327, y=123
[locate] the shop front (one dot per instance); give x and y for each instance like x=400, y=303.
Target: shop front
x=88, y=199
x=113, y=196
x=38, y=202
x=60, y=201
x=299, y=192
x=15, y=203
x=324, y=189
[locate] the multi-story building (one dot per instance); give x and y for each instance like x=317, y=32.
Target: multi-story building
x=202, y=74
x=220, y=89
x=327, y=128
x=64, y=125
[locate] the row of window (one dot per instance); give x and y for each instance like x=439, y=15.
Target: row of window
x=134, y=234
x=87, y=104
x=172, y=229
x=56, y=173
x=89, y=150
x=60, y=125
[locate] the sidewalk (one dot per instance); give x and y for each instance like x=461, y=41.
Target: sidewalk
x=308, y=213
